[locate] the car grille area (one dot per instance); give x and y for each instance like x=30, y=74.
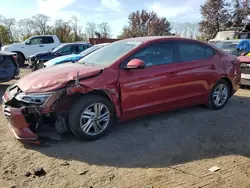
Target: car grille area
x=245, y=68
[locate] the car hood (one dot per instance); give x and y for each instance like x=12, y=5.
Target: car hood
x=64, y=58
x=42, y=54
x=55, y=77
x=244, y=59
x=13, y=45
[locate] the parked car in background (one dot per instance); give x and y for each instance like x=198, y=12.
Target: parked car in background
x=9, y=68
x=74, y=57
x=31, y=46
x=126, y=79
x=36, y=60
x=245, y=68
x=229, y=46
x=243, y=47
x=234, y=47
x=222, y=36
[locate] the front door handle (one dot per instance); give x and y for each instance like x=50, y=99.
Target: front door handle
x=171, y=74
x=41, y=45
x=212, y=67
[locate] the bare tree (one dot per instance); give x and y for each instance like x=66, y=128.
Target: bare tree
x=193, y=30
x=41, y=23
x=104, y=30
x=63, y=30
x=176, y=28
x=91, y=29
x=26, y=26
x=75, y=27
x=9, y=23
x=187, y=29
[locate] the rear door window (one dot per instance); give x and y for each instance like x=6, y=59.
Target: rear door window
x=47, y=40
x=193, y=51
x=66, y=49
x=80, y=48
x=210, y=52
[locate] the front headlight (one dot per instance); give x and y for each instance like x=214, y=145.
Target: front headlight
x=4, y=48
x=37, y=99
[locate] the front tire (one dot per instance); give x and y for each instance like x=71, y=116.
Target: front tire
x=39, y=65
x=219, y=95
x=91, y=117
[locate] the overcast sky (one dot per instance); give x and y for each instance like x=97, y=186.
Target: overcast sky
x=115, y=12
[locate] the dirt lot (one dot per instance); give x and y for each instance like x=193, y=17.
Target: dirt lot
x=173, y=149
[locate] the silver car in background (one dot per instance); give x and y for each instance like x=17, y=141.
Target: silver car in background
x=229, y=46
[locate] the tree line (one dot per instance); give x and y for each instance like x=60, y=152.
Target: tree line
x=12, y=30
x=218, y=15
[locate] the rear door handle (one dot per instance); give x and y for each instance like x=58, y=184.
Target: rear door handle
x=212, y=67
x=41, y=45
x=171, y=74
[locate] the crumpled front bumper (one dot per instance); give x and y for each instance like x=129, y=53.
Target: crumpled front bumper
x=17, y=123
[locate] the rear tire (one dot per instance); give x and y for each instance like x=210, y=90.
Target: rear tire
x=85, y=123
x=39, y=65
x=219, y=95
x=20, y=59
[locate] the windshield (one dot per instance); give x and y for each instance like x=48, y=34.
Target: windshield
x=227, y=45
x=91, y=49
x=224, y=35
x=58, y=47
x=110, y=53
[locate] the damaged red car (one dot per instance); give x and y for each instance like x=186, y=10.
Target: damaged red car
x=126, y=79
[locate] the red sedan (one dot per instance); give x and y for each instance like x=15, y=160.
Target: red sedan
x=126, y=79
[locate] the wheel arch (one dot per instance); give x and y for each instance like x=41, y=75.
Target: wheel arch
x=20, y=53
x=113, y=98
x=229, y=83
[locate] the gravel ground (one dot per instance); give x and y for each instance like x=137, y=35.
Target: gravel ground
x=173, y=149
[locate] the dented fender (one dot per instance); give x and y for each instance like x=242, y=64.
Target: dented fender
x=112, y=93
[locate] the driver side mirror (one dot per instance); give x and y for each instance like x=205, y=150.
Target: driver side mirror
x=135, y=64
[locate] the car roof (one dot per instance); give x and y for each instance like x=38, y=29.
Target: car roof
x=102, y=44
x=158, y=38
x=72, y=43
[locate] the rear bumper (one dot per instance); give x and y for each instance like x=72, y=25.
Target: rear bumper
x=245, y=82
x=18, y=125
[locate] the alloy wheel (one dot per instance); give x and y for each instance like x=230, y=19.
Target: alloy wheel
x=94, y=119
x=220, y=95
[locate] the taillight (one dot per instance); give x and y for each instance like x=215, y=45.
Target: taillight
x=15, y=57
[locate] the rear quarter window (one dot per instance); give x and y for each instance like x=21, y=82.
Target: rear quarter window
x=210, y=52
x=191, y=51
x=47, y=40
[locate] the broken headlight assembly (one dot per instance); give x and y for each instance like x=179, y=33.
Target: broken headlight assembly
x=34, y=98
